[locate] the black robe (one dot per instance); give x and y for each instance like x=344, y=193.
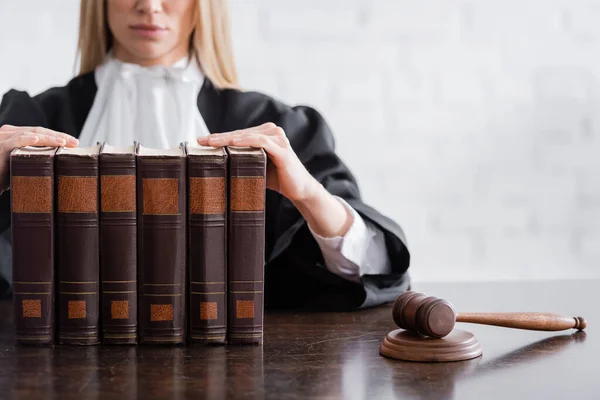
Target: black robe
x=295, y=276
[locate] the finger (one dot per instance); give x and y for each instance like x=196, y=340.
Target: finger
x=227, y=139
x=269, y=129
x=263, y=127
x=259, y=141
x=219, y=139
x=226, y=136
x=69, y=140
x=203, y=140
x=21, y=141
x=41, y=140
x=8, y=133
x=282, y=141
x=259, y=128
x=278, y=135
x=49, y=140
x=275, y=130
x=11, y=138
x=7, y=127
x=268, y=125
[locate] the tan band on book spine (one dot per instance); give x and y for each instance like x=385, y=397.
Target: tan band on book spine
x=244, y=309
x=32, y=308
x=161, y=312
x=31, y=194
x=160, y=196
x=207, y=195
x=117, y=193
x=208, y=337
x=33, y=338
x=247, y=194
x=76, y=309
x=119, y=309
x=78, y=194
x=208, y=310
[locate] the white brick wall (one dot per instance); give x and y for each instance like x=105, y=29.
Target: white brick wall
x=482, y=118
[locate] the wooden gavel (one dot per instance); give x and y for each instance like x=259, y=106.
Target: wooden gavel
x=435, y=317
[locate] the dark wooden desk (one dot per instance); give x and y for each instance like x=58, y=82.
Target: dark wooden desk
x=324, y=355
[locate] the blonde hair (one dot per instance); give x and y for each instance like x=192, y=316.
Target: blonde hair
x=210, y=42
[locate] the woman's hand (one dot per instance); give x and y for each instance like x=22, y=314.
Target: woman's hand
x=286, y=174
x=12, y=137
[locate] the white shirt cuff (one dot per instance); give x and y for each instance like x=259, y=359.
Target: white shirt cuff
x=346, y=255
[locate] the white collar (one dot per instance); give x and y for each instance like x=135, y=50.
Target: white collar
x=185, y=69
x=156, y=106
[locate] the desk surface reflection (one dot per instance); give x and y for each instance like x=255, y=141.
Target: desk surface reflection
x=331, y=355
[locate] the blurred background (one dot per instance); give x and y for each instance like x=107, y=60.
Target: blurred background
x=474, y=124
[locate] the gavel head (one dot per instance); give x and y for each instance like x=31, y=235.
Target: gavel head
x=428, y=316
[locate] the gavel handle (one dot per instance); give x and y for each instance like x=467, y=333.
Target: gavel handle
x=530, y=321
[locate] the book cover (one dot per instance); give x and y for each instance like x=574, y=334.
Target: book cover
x=77, y=245
x=118, y=244
x=247, y=187
x=161, y=187
x=207, y=243
x=32, y=235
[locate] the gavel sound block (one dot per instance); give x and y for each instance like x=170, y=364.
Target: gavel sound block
x=428, y=332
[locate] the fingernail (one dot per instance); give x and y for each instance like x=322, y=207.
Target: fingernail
x=60, y=141
x=73, y=141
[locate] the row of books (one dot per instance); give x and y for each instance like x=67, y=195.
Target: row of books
x=137, y=245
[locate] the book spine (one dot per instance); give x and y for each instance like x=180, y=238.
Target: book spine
x=118, y=237
x=161, y=249
x=32, y=199
x=78, y=249
x=246, y=248
x=207, y=245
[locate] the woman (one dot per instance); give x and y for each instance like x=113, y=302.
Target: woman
x=161, y=72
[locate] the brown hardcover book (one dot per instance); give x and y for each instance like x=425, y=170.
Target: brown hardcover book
x=161, y=178
x=32, y=183
x=247, y=185
x=78, y=248
x=207, y=203
x=118, y=244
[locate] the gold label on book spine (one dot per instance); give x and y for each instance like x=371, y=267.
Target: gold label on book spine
x=244, y=309
x=207, y=195
x=78, y=194
x=161, y=312
x=119, y=309
x=76, y=309
x=31, y=194
x=247, y=194
x=160, y=196
x=117, y=193
x=208, y=310
x=32, y=308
